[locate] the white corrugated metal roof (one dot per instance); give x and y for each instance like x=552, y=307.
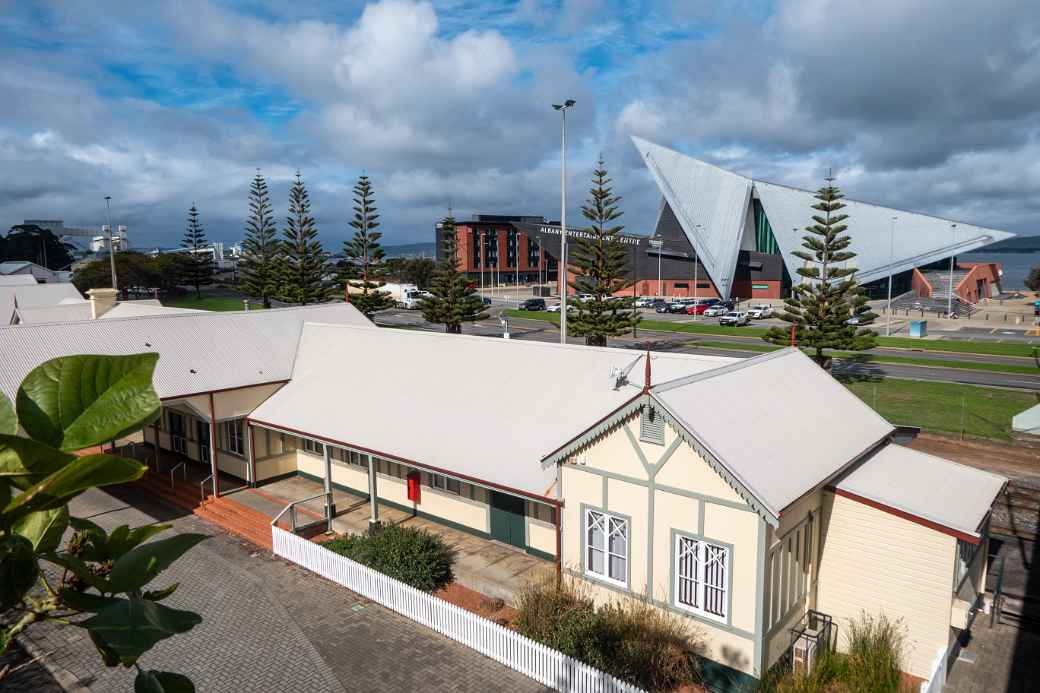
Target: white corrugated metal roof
x=199, y=352
x=483, y=408
x=65, y=311
x=131, y=309
x=17, y=280
x=778, y=422
x=931, y=488
x=33, y=296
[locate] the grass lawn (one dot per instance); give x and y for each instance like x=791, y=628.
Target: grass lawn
x=986, y=411
x=945, y=345
x=205, y=303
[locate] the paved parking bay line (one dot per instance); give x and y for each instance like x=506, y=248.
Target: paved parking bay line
x=269, y=625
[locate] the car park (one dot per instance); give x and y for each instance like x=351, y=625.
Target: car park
x=760, y=311
x=735, y=318
x=533, y=304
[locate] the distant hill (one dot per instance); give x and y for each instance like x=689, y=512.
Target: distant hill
x=1018, y=244
x=411, y=250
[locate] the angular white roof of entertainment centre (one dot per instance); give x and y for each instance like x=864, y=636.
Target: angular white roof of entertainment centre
x=717, y=200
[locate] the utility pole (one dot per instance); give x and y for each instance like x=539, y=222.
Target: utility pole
x=891, y=256
x=562, y=108
x=949, y=293
x=656, y=243
x=111, y=242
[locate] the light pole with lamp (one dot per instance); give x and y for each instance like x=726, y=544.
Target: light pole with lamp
x=891, y=256
x=111, y=241
x=562, y=108
x=695, y=278
x=949, y=289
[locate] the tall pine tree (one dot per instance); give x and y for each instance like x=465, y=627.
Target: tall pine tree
x=454, y=301
x=260, y=248
x=198, y=268
x=600, y=264
x=822, y=307
x=365, y=270
x=302, y=263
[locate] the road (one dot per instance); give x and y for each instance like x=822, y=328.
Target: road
x=539, y=330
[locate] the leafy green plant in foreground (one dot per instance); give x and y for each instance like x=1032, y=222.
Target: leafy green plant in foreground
x=65, y=405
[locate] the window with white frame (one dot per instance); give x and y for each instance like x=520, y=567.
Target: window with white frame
x=444, y=483
x=606, y=546
x=701, y=576
x=234, y=437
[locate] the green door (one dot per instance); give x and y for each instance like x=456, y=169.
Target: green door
x=507, y=519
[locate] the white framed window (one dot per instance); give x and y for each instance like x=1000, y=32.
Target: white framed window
x=702, y=577
x=444, y=483
x=606, y=546
x=313, y=446
x=234, y=437
x=651, y=427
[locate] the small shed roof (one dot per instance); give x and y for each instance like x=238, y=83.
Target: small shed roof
x=17, y=280
x=929, y=488
x=778, y=422
x=198, y=352
x=65, y=311
x=33, y=296
x=474, y=407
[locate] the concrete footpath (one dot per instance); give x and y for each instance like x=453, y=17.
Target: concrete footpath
x=268, y=625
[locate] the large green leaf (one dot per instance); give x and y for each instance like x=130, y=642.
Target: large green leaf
x=78, y=567
x=18, y=569
x=74, y=402
x=138, y=567
x=159, y=595
x=44, y=528
x=25, y=461
x=71, y=480
x=8, y=420
x=123, y=539
x=86, y=601
x=162, y=682
x=133, y=626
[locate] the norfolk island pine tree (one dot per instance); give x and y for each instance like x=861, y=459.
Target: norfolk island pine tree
x=365, y=270
x=820, y=308
x=302, y=262
x=600, y=265
x=198, y=269
x=260, y=248
x=454, y=300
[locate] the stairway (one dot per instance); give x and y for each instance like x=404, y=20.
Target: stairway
x=224, y=512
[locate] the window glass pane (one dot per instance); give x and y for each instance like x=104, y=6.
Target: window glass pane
x=595, y=561
x=617, y=568
x=453, y=486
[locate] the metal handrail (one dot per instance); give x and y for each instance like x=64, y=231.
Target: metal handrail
x=202, y=486
x=184, y=472
x=998, y=595
x=291, y=509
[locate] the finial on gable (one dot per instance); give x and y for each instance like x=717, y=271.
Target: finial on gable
x=646, y=380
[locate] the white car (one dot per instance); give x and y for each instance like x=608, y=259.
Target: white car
x=735, y=318
x=555, y=308
x=760, y=312
x=715, y=311
x=645, y=302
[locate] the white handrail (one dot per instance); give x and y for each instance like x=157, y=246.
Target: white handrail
x=291, y=509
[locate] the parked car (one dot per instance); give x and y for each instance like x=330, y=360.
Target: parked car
x=487, y=300
x=661, y=306
x=679, y=305
x=735, y=318
x=716, y=310
x=697, y=309
x=533, y=304
x=761, y=311
x=646, y=302
x=555, y=308
x=585, y=298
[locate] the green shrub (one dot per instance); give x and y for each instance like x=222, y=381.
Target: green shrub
x=409, y=554
x=629, y=639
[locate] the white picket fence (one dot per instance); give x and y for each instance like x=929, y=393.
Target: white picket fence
x=543, y=664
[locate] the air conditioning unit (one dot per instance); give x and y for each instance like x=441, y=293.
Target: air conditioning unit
x=803, y=654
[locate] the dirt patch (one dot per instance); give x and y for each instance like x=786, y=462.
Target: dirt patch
x=1011, y=460
x=492, y=609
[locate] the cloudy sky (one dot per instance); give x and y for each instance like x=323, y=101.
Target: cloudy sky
x=931, y=105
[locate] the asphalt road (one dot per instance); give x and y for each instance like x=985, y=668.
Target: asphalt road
x=521, y=328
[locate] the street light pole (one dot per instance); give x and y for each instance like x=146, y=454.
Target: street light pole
x=656, y=244
x=562, y=108
x=111, y=241
x=949, y=289
x=695, y=314
x=891, y=256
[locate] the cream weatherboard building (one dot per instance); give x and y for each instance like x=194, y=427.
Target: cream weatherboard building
x=753, y=498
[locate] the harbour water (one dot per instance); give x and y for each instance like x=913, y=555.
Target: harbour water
x=1016, y=266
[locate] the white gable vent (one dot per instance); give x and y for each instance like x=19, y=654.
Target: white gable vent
x=651, y=426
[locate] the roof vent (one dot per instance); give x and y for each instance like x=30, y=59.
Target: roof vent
x=619, y=376
x=192, y=370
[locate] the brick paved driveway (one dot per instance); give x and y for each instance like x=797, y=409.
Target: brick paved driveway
x=272, y=626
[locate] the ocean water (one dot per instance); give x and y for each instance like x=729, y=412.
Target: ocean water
x=1016, y=266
